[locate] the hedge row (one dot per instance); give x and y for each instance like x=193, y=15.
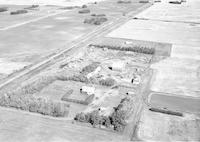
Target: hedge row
x=90, y=68
x=33, y=104
x=69, y=7
x=95, y=20
x=136, y=48
x=3, y=9
x=87, y=101
x=124, y=1
x=107, y=82
x=32, y=7
x=23, y=11
x=83, y=11
x=98, y=15
x=166, y=111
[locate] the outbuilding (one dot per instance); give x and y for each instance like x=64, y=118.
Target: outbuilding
x=88, y=90
x=117, y=66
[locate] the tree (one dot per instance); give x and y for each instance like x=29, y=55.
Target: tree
x=118, y=120
x=80, y=117
x=106, y=121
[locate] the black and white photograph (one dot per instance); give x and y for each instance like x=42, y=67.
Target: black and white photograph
x=99, y=70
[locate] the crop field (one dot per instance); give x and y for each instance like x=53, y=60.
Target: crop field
x=22, y=127
x=57, y=27
x=178, y=103
x=158, y=126
x=71, y=72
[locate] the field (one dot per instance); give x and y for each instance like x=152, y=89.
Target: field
x=69, y=72
x=56, y=26
x=176, y=103
x=178, y=26
x=23, y=127
x=158, y=126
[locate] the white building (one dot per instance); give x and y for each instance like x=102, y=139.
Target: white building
x=87, y=89
x=118, y=66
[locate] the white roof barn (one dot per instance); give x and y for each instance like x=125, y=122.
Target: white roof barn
x=118, y=66
x=87, y=89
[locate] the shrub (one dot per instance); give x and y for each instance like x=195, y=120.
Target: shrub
x=79, y=78
x=84, y=6
x=19, y=12
x=106, y=121
x=107, y=82
x=143, y=1
x=118, y=120
x=90, y=68
x=175, y=2
x=32, y=7
x=95, y=118
x=84, y=11
x=95, y=20
x=68, y=7
x=3, y=9
x=98, y=15
x=124, y=1
x=80, y=117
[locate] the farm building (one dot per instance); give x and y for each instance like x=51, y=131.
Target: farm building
x=117, y=66
x=88, y=90
x=136, y=79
